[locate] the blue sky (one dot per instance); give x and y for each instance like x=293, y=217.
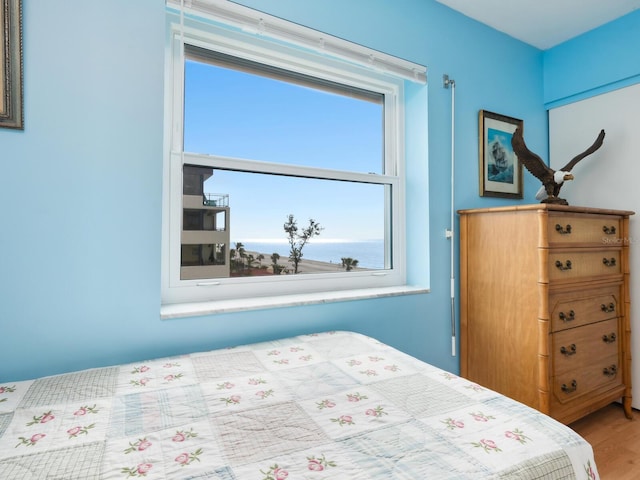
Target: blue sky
x=235, y=114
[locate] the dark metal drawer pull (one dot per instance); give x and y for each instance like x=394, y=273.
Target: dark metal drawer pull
x=570, y=389
x=568, y=351
x=567, y=318
x=609, y=262
x=610, y=371
x=609, y=230
x=609, y=338
x=563, y=230
x=608, y=308
x=565, y=266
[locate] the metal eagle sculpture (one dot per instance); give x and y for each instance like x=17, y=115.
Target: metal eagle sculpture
x=552, y=180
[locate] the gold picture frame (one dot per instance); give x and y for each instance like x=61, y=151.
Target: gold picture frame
x=500, y=169
x=11, y=101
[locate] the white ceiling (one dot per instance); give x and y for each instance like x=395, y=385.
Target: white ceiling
x=543, y=23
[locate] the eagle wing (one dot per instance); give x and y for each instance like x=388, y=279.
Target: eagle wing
x=596, y=145
x=531, y=161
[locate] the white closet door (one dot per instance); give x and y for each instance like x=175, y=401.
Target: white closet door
x=610, y=178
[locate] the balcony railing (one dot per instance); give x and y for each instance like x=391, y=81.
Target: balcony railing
x=215, y=200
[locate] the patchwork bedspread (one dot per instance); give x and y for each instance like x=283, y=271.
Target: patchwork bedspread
x=334, y=405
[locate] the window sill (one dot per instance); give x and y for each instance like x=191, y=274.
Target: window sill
x=168, y=312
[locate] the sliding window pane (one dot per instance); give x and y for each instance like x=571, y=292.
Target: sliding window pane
x=351, y=218
x=284, y=119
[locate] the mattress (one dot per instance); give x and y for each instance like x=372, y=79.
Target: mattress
x=333, y=405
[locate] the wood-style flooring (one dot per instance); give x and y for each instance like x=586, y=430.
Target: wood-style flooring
x=615, y=440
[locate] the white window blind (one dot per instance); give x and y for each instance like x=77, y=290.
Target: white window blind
x=259, y=23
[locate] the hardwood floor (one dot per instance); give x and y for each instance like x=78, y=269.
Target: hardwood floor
x=615, y=440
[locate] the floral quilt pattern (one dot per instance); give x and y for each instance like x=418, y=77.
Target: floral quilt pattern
x=333, y=405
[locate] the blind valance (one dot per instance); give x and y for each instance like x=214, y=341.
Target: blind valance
x=260, y=23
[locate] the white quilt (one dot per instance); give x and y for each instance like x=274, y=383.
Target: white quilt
x=335, y=405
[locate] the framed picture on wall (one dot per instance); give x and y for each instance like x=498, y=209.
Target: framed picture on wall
x=500, y=169
x=11, y=102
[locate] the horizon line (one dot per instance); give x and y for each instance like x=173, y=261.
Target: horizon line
x=314, y=240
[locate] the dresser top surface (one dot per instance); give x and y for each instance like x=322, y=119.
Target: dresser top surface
x=549, y=208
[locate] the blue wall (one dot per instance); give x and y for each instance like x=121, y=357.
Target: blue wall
x=80, y=201
x=596, y=62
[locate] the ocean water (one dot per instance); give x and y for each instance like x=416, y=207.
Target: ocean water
x=370, y=254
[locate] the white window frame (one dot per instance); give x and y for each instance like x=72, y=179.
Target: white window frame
x=188, y=297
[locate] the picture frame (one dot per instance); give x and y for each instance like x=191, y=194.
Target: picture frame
x=11, y=81
x=499, y=167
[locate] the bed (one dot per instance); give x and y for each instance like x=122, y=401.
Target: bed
x=334, y=405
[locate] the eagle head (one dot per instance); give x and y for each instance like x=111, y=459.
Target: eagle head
x=559, y=177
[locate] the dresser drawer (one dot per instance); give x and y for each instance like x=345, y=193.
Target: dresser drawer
x=577, y=348
x=576, y=308
x=571, y=385
x=574, y=265
x=584, y=229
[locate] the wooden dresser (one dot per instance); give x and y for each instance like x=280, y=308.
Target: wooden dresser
x=544, y=306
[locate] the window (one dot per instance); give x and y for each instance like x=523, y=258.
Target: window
x=283, y=172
